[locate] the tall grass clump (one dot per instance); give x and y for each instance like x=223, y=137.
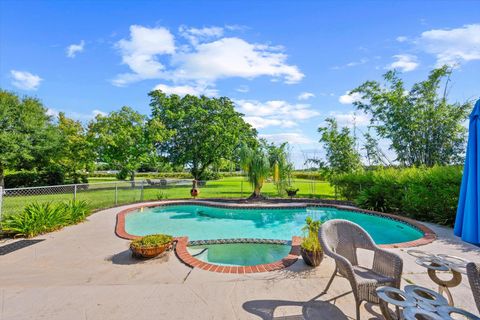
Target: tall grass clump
x=42, y=217
x=428, y=194
x=75, y=211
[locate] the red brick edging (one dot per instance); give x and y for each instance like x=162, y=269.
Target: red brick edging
x=428, y=235
x=184, y=256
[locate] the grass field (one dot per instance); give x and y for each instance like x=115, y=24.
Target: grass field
x=106, y=192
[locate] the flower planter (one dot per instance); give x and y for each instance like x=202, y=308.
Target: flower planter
x=194, y=192
x=312, y=258
x=149, y=252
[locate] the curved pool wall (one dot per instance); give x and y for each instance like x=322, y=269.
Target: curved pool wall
x=182, y=252
x=206, y=220
x=182, y=242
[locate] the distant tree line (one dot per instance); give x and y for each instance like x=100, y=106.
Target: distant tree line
x=197, y=134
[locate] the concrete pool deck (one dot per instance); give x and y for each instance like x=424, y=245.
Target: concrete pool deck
x=86, y=272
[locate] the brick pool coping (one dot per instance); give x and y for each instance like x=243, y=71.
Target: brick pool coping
x=185, y=256
x=182, y=242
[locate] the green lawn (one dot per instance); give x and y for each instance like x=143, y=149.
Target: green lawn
x=102, y=195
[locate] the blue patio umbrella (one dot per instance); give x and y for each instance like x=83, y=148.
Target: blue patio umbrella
x=467, y=222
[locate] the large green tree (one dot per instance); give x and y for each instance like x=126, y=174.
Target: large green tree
x=76, y=152
x=28, y=138
x=125, y=139
x=341, y=155
x=202, y=130
x=423, y=127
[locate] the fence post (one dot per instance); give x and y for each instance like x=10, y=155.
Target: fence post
x=141, y=191
x=1, y=202
x=116, y=193
x=75, y=192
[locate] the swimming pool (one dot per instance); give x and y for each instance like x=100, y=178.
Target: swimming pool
x=239, y=254
x=203, y=222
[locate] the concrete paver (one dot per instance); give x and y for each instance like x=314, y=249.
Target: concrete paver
x=86, y=272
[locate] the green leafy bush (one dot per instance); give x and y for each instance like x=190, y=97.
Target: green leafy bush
x=53, y=176
x=428, y=194
x=309, y=175
x=153, y=240
x=75, y=211
x=38, y=218
x=310, y=240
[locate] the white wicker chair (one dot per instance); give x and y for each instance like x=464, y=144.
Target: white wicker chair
x=340, y=240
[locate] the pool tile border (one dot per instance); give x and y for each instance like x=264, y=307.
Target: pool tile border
x=428, y=235
x=185, y=257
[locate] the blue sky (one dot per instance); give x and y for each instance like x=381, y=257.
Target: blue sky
x=287, y=65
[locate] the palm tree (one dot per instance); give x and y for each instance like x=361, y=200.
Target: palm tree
x=257, y=167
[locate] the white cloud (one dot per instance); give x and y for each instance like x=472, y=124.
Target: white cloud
x=452, y=46
x=233, y=57
x=351, y=118
x=86, y=116
x=52, y=113
x=351, y=64
x=290, y=137
x=263, y=122
x=186, y=89
x=404, y=62
x=77, y=115
x=205, y=59
x=195, y=35
x=98, y=112
x=402, y=38
x=305, y=96
x=25, y=80
x=349, y=98
x=243, y=89
x=73, y=49
x=140, y=53
x=278, y=109
x=277, y=113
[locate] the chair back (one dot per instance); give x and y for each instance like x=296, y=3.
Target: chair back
x=344, y=238
x=473, y=274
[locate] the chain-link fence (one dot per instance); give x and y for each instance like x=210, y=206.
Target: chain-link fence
x=107, y=194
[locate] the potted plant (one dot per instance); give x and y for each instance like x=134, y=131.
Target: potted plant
x=151, y=246
x=310, y=248
x=194, y=192
x=291, y=191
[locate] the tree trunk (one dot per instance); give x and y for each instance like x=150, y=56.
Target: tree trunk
x=132, y=178
x=256, y=195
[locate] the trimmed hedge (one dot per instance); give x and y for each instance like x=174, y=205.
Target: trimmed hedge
x=427, y=194
x=309, y=175
x=34, y=178
x=172, y=175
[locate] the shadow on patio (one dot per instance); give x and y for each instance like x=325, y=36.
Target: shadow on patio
x=304, y=310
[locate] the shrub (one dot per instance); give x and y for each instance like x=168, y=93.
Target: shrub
x=75, y=211
x=36, y=218
x=309, y=175
x=428, y=194
x=210, y=175
x=153, y=240
x=310, y=240
x=53, y=176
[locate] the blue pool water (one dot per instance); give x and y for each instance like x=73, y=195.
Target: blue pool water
x=200, y=222
x=239, y=254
